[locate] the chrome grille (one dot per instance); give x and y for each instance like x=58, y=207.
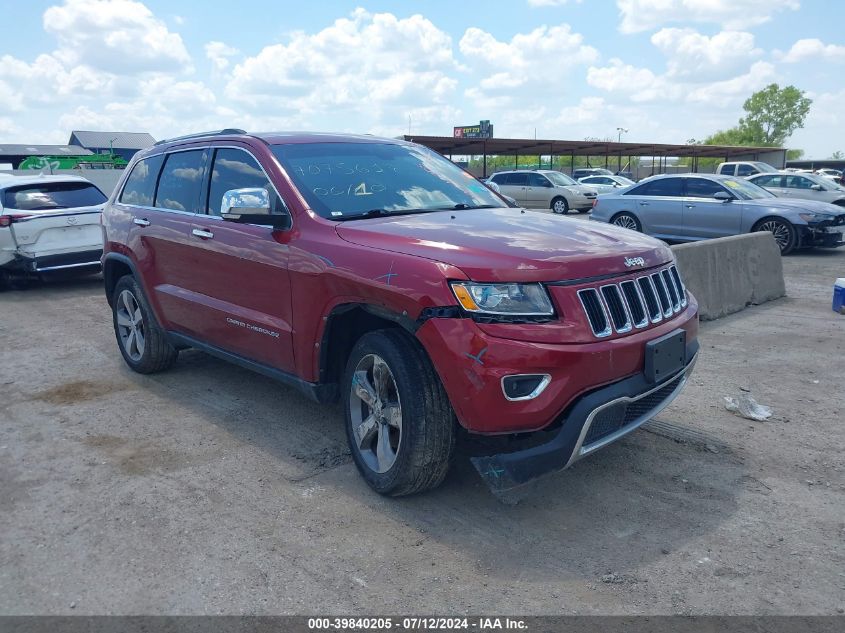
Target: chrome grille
x=596, y=312
x=616, y=308
x=633, y=303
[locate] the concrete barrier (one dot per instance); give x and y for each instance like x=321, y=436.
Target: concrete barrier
x=728, y=274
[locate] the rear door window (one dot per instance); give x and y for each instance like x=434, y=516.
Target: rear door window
x=52, y=195
x=746, y=170
x=661, y=187
x=179, y=184
x=237, y=169
x=727, y=170
x=518, y=180
x=140, y=187
x=767, y=181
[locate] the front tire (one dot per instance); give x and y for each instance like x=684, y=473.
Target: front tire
x=142, y=342
x=782, y=230
x=399, y=423
x=560, y=205
x=627, y=221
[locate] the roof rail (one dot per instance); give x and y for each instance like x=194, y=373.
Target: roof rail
x=228, y=130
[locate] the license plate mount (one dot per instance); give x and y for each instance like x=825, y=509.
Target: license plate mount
x=665, y=356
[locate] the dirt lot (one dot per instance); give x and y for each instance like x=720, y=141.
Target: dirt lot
x=210, y=489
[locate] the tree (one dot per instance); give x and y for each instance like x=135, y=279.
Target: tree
x=837, y=155
x=773, y=114
x=732, y=136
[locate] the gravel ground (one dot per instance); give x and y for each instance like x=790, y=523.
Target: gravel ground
x=210, y=489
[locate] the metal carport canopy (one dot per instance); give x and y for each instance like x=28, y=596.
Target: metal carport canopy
x=449, y=145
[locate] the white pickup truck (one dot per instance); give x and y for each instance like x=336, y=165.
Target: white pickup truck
x=49, y=223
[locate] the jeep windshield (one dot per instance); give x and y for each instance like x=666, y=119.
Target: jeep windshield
x=345, y=181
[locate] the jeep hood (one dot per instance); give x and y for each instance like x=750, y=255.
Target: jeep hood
x=509, y=244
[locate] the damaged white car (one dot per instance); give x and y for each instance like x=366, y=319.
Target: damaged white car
x=47, y=224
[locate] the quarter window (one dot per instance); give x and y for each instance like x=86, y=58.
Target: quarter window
x=745, y=170
x=727, y=170
x=179, y=185
x=518, y=180
x=236, y=169
x=499, y=179
x=141, y=185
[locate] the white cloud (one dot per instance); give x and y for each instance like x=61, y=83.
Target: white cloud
x=644, y=15
x=114, y=35
x=48, y=80
x=364, y=63
x=723, y=93
x=638, y=84
x=697, y=58
x=813, y=50
x=641, y=85
x=219, y=54
x=519, y=66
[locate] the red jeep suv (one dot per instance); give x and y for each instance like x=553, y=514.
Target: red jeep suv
x=378, y=272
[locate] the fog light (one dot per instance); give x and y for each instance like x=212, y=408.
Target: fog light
x=524, y=386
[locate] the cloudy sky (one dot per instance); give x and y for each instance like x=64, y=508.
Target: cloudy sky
x=667, y=70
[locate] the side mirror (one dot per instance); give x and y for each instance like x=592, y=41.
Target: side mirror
x=251, y=206
x=817, y=188
x=724, y=196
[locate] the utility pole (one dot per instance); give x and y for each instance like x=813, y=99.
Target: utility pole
x=621, y=131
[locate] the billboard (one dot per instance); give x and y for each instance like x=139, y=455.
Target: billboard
x=484, y=129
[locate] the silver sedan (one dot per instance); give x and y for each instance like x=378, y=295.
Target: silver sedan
x=690, y=207
x=803, y=186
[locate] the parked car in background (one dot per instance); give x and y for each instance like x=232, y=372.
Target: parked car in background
x=545, y=189
x=47, y=224
x=827, y=172
x=690, y=207
x=511, y=202
x=803, y=186
x=626, y=174
x=583, y=172
x=744, y=168
x=376, y=273
x=603, y=184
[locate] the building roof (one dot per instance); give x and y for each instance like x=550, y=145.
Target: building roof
x=43, y=150
x=532, y=147
x=118, y=140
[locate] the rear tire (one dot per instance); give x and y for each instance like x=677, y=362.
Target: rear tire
x=560, y=205
x=142, y=342
x=399, y=423
x=627, y=221
x=782, y=230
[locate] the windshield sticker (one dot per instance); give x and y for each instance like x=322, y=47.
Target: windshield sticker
x=733, y=184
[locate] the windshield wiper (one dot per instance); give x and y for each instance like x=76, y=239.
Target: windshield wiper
x=380, y=213
x=463, y=207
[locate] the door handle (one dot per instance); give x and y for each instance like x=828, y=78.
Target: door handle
x=690, y=206
x=643, y=204
x=206, y=235
x=141, y=221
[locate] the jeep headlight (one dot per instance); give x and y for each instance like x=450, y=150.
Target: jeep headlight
x=503, y=299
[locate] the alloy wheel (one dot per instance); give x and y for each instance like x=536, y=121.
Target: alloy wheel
x=130, y=325
x=376, y=413
x=626, y=222
x=779, y=230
